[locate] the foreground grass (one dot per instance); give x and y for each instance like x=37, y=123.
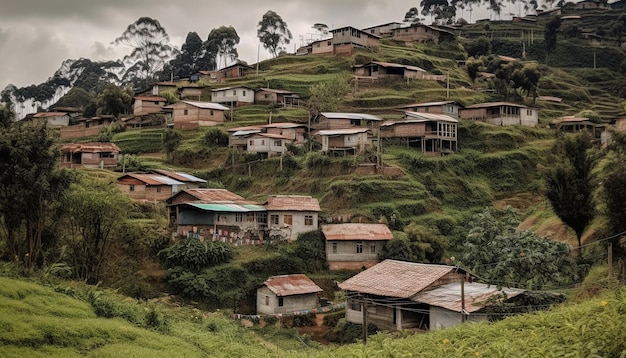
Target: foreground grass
x=36, y=321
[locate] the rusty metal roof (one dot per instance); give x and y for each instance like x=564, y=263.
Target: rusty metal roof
x=429, y=116
x=393, y=278
x=152, y=179
x=356, y=231
x=495, y=104
x=292, y=203
x=216, y=196
x=151, y=98
x=289, y=285
x=269, y=135
x=92, y=147
x=340, y=115
x=180, y=176
x=428, y=104
x=49, y=114
x=448, y=296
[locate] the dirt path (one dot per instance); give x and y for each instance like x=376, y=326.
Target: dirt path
x=316, y=332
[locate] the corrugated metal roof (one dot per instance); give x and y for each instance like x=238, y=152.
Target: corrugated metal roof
x=339, y=115
x=228, y=208
x=329, y=132
x=273, y=136
x=207, y=105
x=49, y=114
x=275, y=90
x=392, y=278
x=427, y=104
x=494, y=104
x=153, y=179
x=184, y=177
x=230, y=88
x=246, y=128
x=283, y=125
x=399, y=65
x=151, y=98
x=448, y=296
x=214, y=195
x=245, y=132
x=571, y=119
x=292, y=203
x=356, y=231
x=289, y=285
x=430, y=116
x=91, y=147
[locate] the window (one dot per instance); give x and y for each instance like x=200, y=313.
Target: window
x=234, y=92
x=131, y=187
x=373, y=248
x=261, y=218
x=274, y=219
x=262, y=141
x=288, y=220
x=308, y=220
x=359, y=247
x=267, y=300
x=107, y=155
x=211, y=112
x=334, y=245
x=186, y=112
x=267, y=95
x=355, y=305
x=239, y=217
x=251, y=217
x=251, y=142
x=68, y=157
x=278, y=143
x=244, y=93
x=280, y=302
x=158, y=189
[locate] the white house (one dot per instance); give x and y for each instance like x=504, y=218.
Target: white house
x=290, y=215
x=233, y=96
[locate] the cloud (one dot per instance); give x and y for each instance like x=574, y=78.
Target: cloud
x=101, y=52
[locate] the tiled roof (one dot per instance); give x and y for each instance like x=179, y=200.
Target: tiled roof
x=49, y=114
x=288, y=285
x=292, y=203
x=392, y=278
x=93, y=147
x=356, y=231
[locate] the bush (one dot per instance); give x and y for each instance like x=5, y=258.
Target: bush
x=215, y=137
x=332, y=319
x=194, y=255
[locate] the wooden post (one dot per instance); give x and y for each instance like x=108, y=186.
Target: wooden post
x=281, y=161
x=463, y=318
x=249, y=170
x=364, y=308
x=610, y=259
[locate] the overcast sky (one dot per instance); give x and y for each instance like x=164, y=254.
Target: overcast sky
x=36, y=36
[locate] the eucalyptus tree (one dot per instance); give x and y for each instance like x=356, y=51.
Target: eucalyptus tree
x=223, y=40
x=150, y=48
x=273, y=32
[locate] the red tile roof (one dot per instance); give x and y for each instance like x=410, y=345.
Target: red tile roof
x=292, y=203
x=356, y=231
x=93, y=147
x=151, y=98
x=49, y=114
x=288, y=285
x=400, y=279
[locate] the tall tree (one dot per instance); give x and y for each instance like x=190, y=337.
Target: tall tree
x=115, y=100
x=224, y=39
x=325, y=96
x=30, y=187
x=412, y=16
x=614, y=196
x=550, y=34
x=321, y=28
x=568, y=182
x=273, y=32
x=418, y=244
x=151, y=48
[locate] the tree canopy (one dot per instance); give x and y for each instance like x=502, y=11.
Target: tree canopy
x=273, y=32
x=151, y=48
x=193, y=57
x=222, y=41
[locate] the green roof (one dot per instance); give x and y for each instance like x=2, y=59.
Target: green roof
x=232, y=208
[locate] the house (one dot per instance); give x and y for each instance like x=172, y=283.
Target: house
x=148, y=104
x=53, y=119
x=86, y=127
x=549, y=12
x=421, y=33
x=321, y=47
x=592, y=4
x=296, y=132
x=449, y=108
x=352, y=246
x=572, y=124
x=217, y=214
x=148, y=187
x=269, y=144
x=347, y=39
x=344, y=141
x=501, y=113
x=73, y=112
x=89, y=155
x=283, y=98
x=164, y=86
x=293, y=132
x=233, y=96
x=399, y=295
x=433, y=134
x=189, y=181
x=194, y=114
x=336, y=120
x=291, y=215
x=383, y=70
x=236, y=70
x=287, y=294
x=384, y=30
x=148, y=120
x=193, y=92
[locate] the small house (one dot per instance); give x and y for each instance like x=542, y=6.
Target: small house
x=194, y=114
x=572, y=124
x=336, y=120
x=236, y=70
x=501, y=113
x=148, y=104
x=352, y=246
x=164, y=86
x=397, y=295
x=388, y=70
x=85, y=127
x=233, y=96
x=344, y=141
x=449, y=108
x=384, y=30
x=217, y=214
x=321, y=47
x=421, y=33
x=238, y=137
x=89, y=155
x=348, y=39
x=148, y=187
x=283, y=98
x=53, y=119
x=269, y=144
x=287, y=294
x=291, y=215
x=192, y=92
x=432, y=134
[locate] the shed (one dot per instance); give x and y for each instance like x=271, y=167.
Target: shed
x=287, y=294
x=352, y=246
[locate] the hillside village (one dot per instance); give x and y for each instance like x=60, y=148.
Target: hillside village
x=425, y=135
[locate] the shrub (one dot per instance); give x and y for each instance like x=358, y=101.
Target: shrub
x=194, y=255
x=215, y=137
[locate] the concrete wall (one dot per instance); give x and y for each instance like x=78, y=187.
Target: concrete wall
x=267, y=302
x=297, y=221
x=233, y=95
x=344, y=253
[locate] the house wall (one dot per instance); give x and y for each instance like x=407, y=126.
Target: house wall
x=343, y=254
x=339, y=123
x=322, y=47
x=416, y=34
x=141, y=191
x=58, y=121
x=234, y=95
x=350, y=35
x=257, y=144
x=295, y=134
x=185, y=114
x=298, y=222
x=265, y=97
x=90, y=160
x=404, y=130
x=291, y=303
x=383, y=316
x=142, y=106
x=529, y=117
x=451, y=110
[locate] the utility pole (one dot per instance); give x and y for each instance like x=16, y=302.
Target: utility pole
x=364, y=308
x=463, y=317
x=610, y=259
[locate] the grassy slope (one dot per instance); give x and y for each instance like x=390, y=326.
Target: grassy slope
x=36, y=321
